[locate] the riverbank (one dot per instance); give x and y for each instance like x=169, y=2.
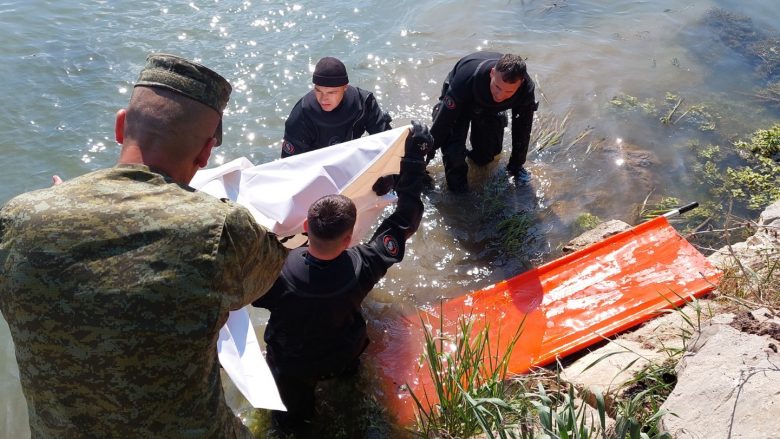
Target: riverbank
x=710, y=368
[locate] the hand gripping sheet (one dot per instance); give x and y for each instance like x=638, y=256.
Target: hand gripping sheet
x=568, y=304
x=278, y=195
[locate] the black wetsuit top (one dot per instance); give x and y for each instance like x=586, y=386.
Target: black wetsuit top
x=316, y=325
x=467, y=90
x=309, y=127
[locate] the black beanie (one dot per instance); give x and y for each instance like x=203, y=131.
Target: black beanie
x=330, y=72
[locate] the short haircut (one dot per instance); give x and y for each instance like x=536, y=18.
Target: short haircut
x=511, y=67
x=331, y=217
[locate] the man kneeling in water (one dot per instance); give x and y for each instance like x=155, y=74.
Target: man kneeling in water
x=316, y=329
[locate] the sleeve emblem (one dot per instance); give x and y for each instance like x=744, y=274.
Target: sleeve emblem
x=449, y=102
x=391, y=245
x=288, y=147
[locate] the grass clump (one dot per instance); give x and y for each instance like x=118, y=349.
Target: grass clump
x=627, y=102
x=755, y=184
x=586, y=221
x=764, y=143
x=493, y=198
x=475, y=395
x=514, y=232
x=468, y=380
x=476, y=398
x=671, y=111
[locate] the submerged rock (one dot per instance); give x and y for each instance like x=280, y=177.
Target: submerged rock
x=602, y=231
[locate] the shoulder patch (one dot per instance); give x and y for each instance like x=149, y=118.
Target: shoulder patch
x=391, y=245
x=288, y=147
x=449, y=102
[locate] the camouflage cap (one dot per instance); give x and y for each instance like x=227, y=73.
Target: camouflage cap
x=186, y=77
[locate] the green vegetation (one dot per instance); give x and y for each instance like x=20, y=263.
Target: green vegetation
x=494, y=197
x=585, y=222
x=468, y=379
x=756, y=181
x=764, y=143
x=550, y=132
x=514, y=232
x=740, y=34
x=756, y=187
x=627, y=102
x=742, y=176
x=513, y=229
x=473, y=398
x=672, y=111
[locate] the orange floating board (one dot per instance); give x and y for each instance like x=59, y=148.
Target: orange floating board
x=568, y=304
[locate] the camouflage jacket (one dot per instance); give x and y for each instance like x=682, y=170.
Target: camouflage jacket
x=115, y=285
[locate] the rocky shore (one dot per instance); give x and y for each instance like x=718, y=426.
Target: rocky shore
x=728, y=376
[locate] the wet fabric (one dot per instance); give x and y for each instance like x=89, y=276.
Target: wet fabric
x=279, y=193
x=115, y=285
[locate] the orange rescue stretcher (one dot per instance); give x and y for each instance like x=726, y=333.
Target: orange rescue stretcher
x=566, y=305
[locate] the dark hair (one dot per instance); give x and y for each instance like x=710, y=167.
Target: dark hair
x=511, y=67
x=331, y=217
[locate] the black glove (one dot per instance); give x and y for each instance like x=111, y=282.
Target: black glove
x=419, y=142
x=384, y=184
x=430, y=156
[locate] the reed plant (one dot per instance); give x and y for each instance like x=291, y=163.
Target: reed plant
x=475, y=397
x=467, y=376
x=515, y=232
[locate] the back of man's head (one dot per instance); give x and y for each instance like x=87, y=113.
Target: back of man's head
x=330, y=218
x=511, y=67
x=175, y=103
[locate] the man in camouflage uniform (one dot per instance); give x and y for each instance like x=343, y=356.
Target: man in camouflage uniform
x=115, y=284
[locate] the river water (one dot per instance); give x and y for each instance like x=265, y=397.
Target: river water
x=67, y=66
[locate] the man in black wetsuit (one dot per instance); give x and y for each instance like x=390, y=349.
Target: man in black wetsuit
x=334, y=112
x=477, y=92
x=316, y=329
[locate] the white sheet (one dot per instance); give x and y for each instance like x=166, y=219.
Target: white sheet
x=278, y=194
